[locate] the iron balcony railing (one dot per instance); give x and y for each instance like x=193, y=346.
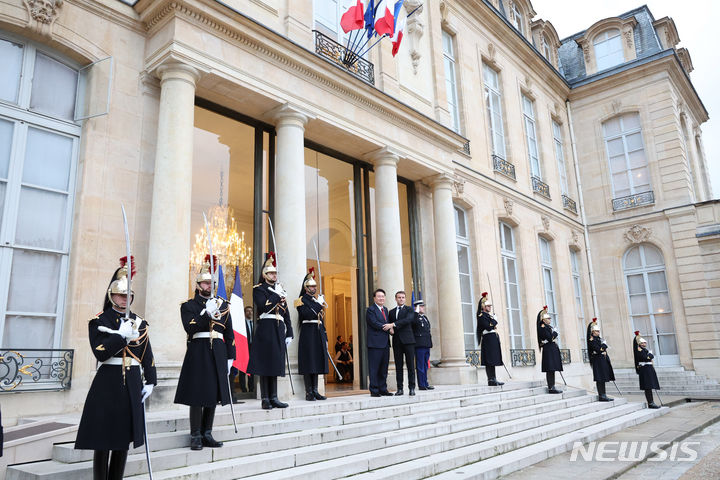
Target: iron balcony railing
x=503, y=167
x=586, y=357
x=466, y=148
x=29, y=370
x=565, y=355
x=569, y=204
x=522, y=357
x=472, y=357
x=540, y=187
x=632, y=201
x=346, y=59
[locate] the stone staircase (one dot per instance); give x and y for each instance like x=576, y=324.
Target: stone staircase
x=447, y=431
x=674, y=381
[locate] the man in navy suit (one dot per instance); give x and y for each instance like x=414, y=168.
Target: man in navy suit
x=378, y=342
x=402, y=318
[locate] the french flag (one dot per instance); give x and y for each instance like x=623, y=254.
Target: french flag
x=237, y=312
x=354, y=18
x=397, y=37
x=384, y=19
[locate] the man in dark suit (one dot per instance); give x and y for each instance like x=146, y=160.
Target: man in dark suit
x=403, y=342
x=378, y=342
x=249, y=330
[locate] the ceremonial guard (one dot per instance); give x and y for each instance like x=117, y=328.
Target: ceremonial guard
x=273, y=334
x=547, y=340
x=113, y=415
x=312, y=345
x=644, y=368
x=599, y=360
x=403, y=343
x=210, y=352
x=423, y=344
x=489, y=340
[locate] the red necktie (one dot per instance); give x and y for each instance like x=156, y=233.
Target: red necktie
x=382, y=310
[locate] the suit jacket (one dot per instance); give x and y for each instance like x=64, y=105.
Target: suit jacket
x=249, y=330
x=403, y=326
x=376, y=337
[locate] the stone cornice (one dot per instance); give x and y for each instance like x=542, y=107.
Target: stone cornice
x=113, y=14
x=242, y=30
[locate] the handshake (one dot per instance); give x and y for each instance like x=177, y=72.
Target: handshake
x=389, y=327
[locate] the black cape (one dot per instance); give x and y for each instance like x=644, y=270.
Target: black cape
x=267, y=355
x=646, y=373
x=490, y=351
x=312, y=345
x=551, y=359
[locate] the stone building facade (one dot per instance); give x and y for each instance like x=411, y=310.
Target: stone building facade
x=488, y=155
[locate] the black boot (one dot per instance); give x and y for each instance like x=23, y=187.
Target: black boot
x=207, y=423
x=315, y=392
x=490, y=372
x=195, y=422
x=117, y=464
x=601, y=392
x=100, y=464
x=649, y=398
x=551, y=383
x=273, y=394
x=309, y=388
x=265, y=393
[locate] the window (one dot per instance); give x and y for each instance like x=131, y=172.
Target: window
x=38, y=156
x=531, y=136
x=628, y=165
x=649, y=299
x=545, y=47
x=462, y=239
x=608, y=49
x=577, y=289
x=494, y=108
x=327, y=15
x=450, y=80
x=518, y=21
x=560, y=156
x=546, y=264
x=512, y=286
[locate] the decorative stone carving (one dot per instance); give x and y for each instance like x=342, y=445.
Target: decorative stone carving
x=546, y=222
x=629, y=40
x=508, y=206
x=42, y=14
x=458, y=187
x=415, y=29
x=528, y=82
x=443, y=10
x=637, y=234
x=575, y=238
x=616, y=105
x=491, y=52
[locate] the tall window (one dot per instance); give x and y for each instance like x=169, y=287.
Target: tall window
x=626, y=154
x=493, y=101
x=560, y=156
x=462, y=238
x=577, y=290
x=512, y=286
x=531, y=136
x=518, y=21
x=545, y=47
x=451, y=80
x=546, y=264
x=38, y=151
x=327, y=15
x=649, y=300
x=608, y=49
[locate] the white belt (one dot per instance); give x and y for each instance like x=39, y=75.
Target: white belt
x=214, y=334
x=311, y=321
x=485, y=332
x=129, y=361
x=642, y=364
x=547, y=341
x=274, y=316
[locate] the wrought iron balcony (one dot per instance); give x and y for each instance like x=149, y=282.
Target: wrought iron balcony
x=26, y=370
x=522, y=357
x=472, y=357
x=586, y=357
x=355, y=65
x=466, y=148
x=632, y=201
x=569, y=204
x=565, y=355
x=504, y=167
x=540, y=187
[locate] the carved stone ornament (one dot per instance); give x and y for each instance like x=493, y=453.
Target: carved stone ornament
x=575, y=238
x=415, y=29
x=508, y=206
x=616, y=106
x=628, y=33
x=638, y=234
x=546, y=222
x=458, y=187
x=491, y=52
x=42, y=14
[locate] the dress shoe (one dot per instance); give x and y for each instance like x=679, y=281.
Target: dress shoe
x=653, y=405
x=277, y=403
x=412, y=392
x=399, y=393
x=422, y=388
x=375, y=395
x=430, y=387
x=554, y=390
x=604, y=398
x=386, y=394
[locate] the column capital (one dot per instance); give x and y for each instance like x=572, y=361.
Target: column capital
x=384, y=156
x=176, y=70
x=288, y=114
x=443, y=180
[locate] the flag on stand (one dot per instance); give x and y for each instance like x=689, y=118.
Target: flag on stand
x=237, y=312
x=221, y=290
x=384, y=19
x=398, y=36
x=353, y=19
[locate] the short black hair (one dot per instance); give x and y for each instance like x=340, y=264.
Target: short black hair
x=338, y=338
x=400, y=292
x=378, y=290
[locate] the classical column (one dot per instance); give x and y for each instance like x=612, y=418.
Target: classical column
x=453, y=367
x=387, y=224
x=289, y=221
x=169, y=242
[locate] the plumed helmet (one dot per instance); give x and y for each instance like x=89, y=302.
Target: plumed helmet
x=270, y=264
x=592, y=326
x=205, y=275
x=119, y=281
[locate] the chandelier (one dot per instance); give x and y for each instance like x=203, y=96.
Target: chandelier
x=227, y=243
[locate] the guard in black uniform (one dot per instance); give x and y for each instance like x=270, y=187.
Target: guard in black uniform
x=312, y=346
x=210, y=352
x=489, y=340
x=113, y=414
x=423, y=344
x=403, y=343
x=599, y=360
x=547, y=340
x=644, y=368
x=273, y=334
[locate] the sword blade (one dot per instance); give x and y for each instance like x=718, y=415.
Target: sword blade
x=317, y=259
x=129, y=261
x=147, y=446
x=212, y=261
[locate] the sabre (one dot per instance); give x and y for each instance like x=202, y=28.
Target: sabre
x=129, y=268
x=147, y=447
x=212, y=296
x=493, y=308
x=660, y=399
x=317, y=258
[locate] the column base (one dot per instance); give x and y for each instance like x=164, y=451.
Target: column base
x=453, y=375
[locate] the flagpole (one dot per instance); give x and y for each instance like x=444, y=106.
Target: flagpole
x=385, y=35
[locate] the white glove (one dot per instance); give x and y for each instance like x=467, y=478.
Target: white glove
x=146, y=391
x=280, y=290
x=288, y=341
x=127, y=332
x=320, y=299
x=212, y=308
x=230, y=362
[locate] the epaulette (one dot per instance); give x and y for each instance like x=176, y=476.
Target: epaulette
x=298, y=302
x=97, y=315
x=255, y=286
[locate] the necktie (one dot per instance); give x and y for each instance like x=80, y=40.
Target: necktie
x=382, y=310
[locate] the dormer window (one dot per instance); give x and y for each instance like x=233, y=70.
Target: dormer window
x=517, y=20
x=608, y=49
x=545, y=47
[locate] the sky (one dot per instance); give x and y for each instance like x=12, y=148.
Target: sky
x=695, y=21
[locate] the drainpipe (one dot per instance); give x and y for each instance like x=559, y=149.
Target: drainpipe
x=591, y=271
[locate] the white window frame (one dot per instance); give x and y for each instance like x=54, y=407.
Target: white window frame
x=528, y=109
x=333, y=31
x=623, y=135
x=577, y=290
x=491, y=81
x=612, y=58
x=23, y=119
x=463, y=242
x=546, y=266
x=517, y=339
x=545, y=47
x=560, y=156
x=449, y=61
x=518, y=18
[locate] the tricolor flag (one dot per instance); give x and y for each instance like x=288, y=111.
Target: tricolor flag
x=398, y=36
x=353, y=19
x=384, y=19
x=221, y=290
x=370, y=19
x=237, y=312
